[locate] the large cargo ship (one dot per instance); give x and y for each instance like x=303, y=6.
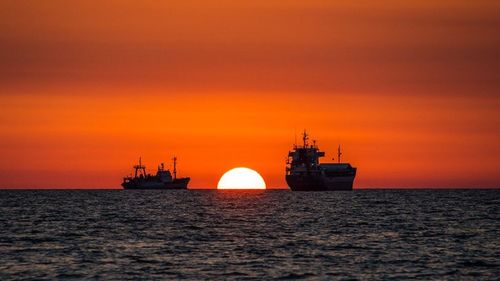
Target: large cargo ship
x=305, y=173
x=162, y=180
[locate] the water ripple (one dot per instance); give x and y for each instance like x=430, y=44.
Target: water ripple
x=129, y=235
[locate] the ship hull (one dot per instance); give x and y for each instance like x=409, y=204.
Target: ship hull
x=319, y=183
x=181, y=183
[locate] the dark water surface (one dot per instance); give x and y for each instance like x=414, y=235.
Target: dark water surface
x=120, y=235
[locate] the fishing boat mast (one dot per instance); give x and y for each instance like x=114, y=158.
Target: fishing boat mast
x=175, y=167
x=140, y=167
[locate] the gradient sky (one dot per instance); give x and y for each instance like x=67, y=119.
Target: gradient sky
x=410, y=89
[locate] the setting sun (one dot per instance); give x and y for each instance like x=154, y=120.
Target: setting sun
x=241, y=178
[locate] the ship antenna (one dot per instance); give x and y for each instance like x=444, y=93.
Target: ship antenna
x=136, y=167
x=304, y=138
x=175, y=167
x=339, y=153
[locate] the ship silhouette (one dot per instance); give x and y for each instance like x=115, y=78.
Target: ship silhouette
x=162, y=180
x=305, y=173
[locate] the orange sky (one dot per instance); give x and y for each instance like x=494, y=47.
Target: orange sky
x=409, y=89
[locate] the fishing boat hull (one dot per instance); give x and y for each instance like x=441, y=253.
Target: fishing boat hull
x=181, y=183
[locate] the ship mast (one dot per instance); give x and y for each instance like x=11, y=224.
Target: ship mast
x=140, y=167
x=339, y=153
x=175, y=167
x=304, y=138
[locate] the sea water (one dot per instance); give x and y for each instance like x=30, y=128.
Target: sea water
x=202, y=234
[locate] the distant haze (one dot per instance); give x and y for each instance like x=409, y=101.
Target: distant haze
x=409, y=89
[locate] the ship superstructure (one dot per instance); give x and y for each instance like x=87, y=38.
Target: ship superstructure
x=304, y=172
x=163, y=179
